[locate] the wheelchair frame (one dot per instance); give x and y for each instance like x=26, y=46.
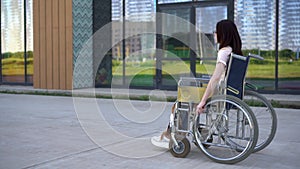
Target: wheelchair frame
x=185, y=122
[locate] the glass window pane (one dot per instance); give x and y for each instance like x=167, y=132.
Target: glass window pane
x=206, y=20
x=173, y=70
x=176, y=45
x=140, y=10
x=140, y=56
x=12, y=40
x=140, y=53
x=117, y=52
x=140, y=68
x=117, y=10
x=262, y=73
x=29, y=40
x=256, y=24
x=139, y=50
x=289, y=45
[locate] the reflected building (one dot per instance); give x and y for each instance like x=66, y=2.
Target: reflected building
x=55, y=53
x=171, y=1
x=289, y=23
x=140, y=10
x=136, y=10
x=256, y=23
x=29, y=26
x=139, y=15
x=255, y=20
x=134, y=41
x=12, y=24
x=116, y=11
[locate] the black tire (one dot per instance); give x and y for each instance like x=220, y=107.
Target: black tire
x=183, y=149
x=262, y=109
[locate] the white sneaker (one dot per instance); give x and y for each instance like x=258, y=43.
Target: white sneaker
x=162, y=143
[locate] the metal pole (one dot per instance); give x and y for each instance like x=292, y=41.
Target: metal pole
x=193, y=42
x=1, y=46
x=25, y=44
x=123, y=43
x=159, y=47
x=276, y=44
x=230, y=9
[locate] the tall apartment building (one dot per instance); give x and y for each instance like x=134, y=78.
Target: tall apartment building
x=171, y=1
x=13, y=22
x=136, y=10
x=140, y=10
x=289, y=23
x=117, y=10
x=256, y=22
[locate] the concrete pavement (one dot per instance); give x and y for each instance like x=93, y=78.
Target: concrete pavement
x=62, y=132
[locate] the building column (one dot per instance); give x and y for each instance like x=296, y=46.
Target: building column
x=83, y=44
x=64, y=43
x=53, y=52
x=102, y=18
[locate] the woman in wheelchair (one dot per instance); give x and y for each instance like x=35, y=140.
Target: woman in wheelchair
x=229, y=40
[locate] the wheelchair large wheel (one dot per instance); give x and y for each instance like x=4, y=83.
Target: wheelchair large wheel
x=183, y=148
x=232, y=130
x=266, y=118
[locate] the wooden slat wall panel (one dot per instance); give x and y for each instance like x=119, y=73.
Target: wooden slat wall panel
x=69, y=45
x=53, y=44
x=49, y=49
x=62, y=44
x=43, y=65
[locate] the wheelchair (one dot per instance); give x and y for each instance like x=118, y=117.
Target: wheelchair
x=265, y=115
x=228, y=130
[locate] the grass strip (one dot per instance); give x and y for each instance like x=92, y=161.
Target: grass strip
x=275, y=104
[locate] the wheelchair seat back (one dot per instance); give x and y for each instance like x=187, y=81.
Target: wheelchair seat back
x=235, y=75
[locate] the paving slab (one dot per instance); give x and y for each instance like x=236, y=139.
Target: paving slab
x=63, y=132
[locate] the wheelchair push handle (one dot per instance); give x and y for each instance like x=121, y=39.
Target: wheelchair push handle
x=239, y=57
x=255, y=56
x=245, y=58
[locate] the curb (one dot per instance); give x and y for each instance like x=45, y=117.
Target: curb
x=277, y=100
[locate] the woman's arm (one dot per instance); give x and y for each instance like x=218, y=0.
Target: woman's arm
x=212, y=84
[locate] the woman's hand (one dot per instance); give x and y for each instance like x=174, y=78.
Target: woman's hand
x=200, y=107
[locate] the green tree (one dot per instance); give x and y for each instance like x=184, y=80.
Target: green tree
x=286, y=54
x=7, y=55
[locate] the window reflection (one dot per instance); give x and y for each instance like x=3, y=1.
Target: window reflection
x=13, y=40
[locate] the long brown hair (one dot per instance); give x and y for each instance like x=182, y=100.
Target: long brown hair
x=228, y=35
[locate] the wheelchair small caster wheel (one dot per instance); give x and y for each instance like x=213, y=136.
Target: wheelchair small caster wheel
x=182, y=150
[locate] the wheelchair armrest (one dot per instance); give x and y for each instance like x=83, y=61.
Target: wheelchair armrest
x=251, y=86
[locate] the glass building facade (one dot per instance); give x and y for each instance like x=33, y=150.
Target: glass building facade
x=256, y=21
x=289, y=24
x=16, y=42
x=270, y=28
